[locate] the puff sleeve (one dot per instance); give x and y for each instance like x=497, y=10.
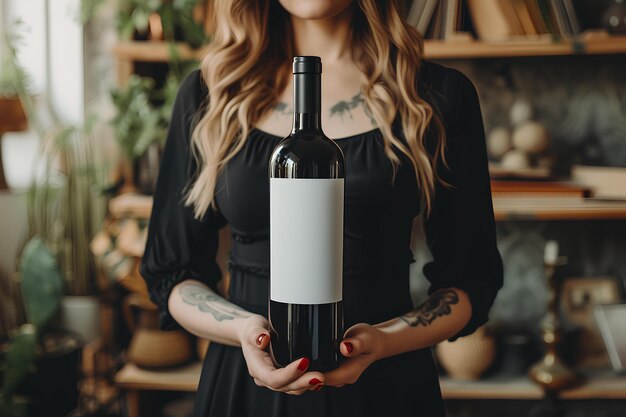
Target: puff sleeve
x=179, y=247
x=460, y=231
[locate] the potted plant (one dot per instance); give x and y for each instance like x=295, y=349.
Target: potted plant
x=40, y=364
x=65, y=209
x=140, y=126
x=169, y=20
x=13, y=80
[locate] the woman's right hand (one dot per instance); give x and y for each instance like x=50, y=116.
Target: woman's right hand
x=292, y=379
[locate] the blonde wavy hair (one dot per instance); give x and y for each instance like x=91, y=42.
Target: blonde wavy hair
x=247, y=66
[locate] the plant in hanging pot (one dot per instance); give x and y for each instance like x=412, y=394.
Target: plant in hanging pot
x=13, y=82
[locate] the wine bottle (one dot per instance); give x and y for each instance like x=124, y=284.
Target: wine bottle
x=307, y=174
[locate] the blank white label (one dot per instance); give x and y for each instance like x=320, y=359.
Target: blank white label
x=306, y=240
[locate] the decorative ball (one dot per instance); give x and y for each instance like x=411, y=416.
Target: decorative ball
x=515, y=159
x=614, y=18
x=530, y=137
x=521, y=111
x=498, y=142
x=467, y=358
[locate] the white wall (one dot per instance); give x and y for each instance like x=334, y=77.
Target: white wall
x=52, y=53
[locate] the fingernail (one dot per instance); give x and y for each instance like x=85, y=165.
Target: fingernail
x=349, y=346
x=319, y=387
x=314, y=381
x=259, y=340
x=304, y=363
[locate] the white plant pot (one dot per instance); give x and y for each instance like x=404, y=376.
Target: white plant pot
x=19, y=154
x=81, y=315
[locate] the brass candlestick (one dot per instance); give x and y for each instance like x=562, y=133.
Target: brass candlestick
x=550, y=372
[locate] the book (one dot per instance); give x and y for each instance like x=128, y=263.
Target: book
x=434, y=27
x=511, y=16
x=558, y=11
x=438, y=19
x=535, y=15
x=571, y=16
x=415, y=12
x=547, y=16
x=524, y=16
x=427, y=15
x=451, y=16
x=539, y=189
x=490, y=22
x=606, y=182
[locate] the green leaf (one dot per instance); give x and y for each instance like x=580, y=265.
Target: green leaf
x=19, y=361
x=41, y=282
x=139, y=18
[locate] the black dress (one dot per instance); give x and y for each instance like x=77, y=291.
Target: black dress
x=378, y=218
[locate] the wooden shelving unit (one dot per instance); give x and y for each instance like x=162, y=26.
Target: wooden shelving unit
x=599, y=386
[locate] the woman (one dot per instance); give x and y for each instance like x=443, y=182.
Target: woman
x=413, y=140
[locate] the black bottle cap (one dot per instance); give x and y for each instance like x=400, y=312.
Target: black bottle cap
x=307, y=65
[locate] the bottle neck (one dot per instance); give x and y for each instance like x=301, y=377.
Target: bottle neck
x=307, y=102
x=306, y=121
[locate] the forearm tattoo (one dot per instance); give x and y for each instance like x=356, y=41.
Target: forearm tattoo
x=437, y=305
x=213, y=304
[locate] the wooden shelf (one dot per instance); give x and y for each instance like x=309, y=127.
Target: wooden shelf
x=557, y=208
x=145, y=51
x=506, y=209
x=602, y=385
x=592, y=44
x=184, y=378
x=152, y=51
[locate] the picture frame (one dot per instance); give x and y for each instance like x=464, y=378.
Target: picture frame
x=610, y=320
x=579, y=297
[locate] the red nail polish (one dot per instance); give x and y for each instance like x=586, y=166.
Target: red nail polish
x=349, y=346
x=319, y=387
x=259, y=340
x=314, y=381
x=304, y=363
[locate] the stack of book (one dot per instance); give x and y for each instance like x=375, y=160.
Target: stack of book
x=539, y=190
x=493, y=20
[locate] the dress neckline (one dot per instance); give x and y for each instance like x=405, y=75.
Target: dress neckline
x=370, y=132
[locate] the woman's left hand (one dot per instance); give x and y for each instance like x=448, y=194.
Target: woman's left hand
x=362, y=346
